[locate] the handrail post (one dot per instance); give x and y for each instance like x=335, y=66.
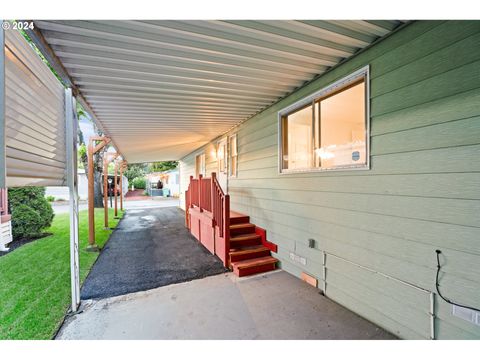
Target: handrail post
x=186, y=208
x=212, y=195
x=190, y=187
x=226, y=224
x=105, y=190
x=115, y=187
x=200, y=192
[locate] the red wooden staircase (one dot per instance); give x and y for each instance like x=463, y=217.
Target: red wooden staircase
x=248, y=254
x=241, y=246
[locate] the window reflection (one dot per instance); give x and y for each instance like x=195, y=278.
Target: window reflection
x=342, y=128
x=298, y=148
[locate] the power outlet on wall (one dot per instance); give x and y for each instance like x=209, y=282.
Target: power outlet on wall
x=469, y=315
x=298, y=259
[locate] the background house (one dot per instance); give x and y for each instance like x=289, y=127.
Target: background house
x=169, y=178
x=62, y=193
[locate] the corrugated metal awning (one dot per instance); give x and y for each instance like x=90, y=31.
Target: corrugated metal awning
x=161, y=89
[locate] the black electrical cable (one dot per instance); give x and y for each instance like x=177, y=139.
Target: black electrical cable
x=438, y=290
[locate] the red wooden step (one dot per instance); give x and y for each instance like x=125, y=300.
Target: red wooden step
x=248, y=253
x=237, y=218
x=245, y=240
x=254, y=266
x=245, y=228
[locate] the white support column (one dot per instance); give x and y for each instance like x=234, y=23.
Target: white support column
x=3, y=169
x=72, y=179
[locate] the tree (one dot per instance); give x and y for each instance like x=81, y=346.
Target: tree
x=98, y=174
x=135, y=170
x=97, y=158
x=82, y=147
x=111, y=168
x=162, y=166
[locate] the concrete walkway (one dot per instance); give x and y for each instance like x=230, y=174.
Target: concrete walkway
x=145, y=202
x=64, y=207
x=149, y=248
x=273, y=306
x=152, y=202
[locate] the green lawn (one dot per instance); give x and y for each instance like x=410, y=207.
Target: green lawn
x=35, y=279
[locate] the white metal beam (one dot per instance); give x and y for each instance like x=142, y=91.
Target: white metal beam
x=72, y=178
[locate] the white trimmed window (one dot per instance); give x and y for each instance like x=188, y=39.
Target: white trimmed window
x=221, y=156
x=233, y=156
x=199, y=165
x=328, y=130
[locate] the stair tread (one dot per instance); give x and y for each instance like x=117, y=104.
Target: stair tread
x=248, y=249
x=244, y=237
x=254, y=262
x=237, y=218
x=234, y=214
x=241, y=226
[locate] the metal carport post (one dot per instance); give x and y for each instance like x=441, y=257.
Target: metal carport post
x=72, y=182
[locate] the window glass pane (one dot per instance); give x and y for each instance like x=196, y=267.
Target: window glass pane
x=233, y=167
x=297, y=139
x=200, y=165
x=233, y=155
x=222, y=153
x=233, y=145
x=342, y=128
x=197, y=166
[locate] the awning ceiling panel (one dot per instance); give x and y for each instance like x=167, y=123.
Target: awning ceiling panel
x=35, y=117
x=161, y=89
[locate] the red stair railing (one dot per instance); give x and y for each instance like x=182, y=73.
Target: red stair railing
x=221, y=214
x=207, y=195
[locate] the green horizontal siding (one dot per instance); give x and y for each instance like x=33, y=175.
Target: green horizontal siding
x=421, y=193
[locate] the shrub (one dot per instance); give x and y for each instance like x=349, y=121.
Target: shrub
x=50, y=198
x=24, y=222
x=134, y=171
x=139, y=183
